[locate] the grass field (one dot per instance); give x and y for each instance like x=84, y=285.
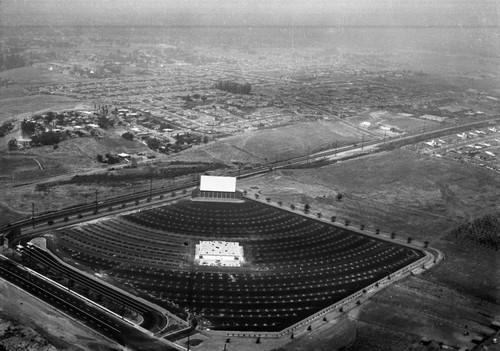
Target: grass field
x=400, y=191
x=279, y=144
x=33, y=76
x=14, y=106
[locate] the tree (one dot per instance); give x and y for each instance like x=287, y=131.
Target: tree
x=307, y=207
x=347, y=222
x=280, y=203
x=319, y=214
x=426, y=244
x=153, y=143
x=128, y=136
x=104, y=122
x=334, y=218
x=28, y=127
x=393, y=235
x=12, y=145
x=409, y=240
x=362, y=227
x=292, y=206
x=377, y=231
x=340, y=196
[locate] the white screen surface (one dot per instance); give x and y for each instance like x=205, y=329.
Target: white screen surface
x=212, y=183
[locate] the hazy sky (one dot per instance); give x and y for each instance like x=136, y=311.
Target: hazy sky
x=378, y=12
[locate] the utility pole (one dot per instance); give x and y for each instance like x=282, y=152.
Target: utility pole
x=96, y=200
x=33, y=214
x=151, y=188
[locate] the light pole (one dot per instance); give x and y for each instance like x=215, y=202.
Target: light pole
x=151, y=188
x=95, y=200
x=190, y=287
x=33, y=214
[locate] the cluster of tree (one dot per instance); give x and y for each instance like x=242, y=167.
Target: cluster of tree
x=233, y=87
x=47, y=138
x=28, y=127
x=115, y=179
x=11, y=61
x=154, y=143
x=108, y=158
x=12, y=145
x=190, y=138
x=104, y=109
x=192, y=98
x=5, y=128
x=482, y=231
x=128, y=136
x=104, y=122
x=182, y=141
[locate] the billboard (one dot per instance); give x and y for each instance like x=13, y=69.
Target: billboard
x=213, y=183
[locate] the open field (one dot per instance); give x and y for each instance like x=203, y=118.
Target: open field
x=14, y=106
x=393, y=191
x=32, y=76
x=278, y=143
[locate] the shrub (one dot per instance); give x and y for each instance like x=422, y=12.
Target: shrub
x=80, y=216
x=51, y=222
x=66, y=219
